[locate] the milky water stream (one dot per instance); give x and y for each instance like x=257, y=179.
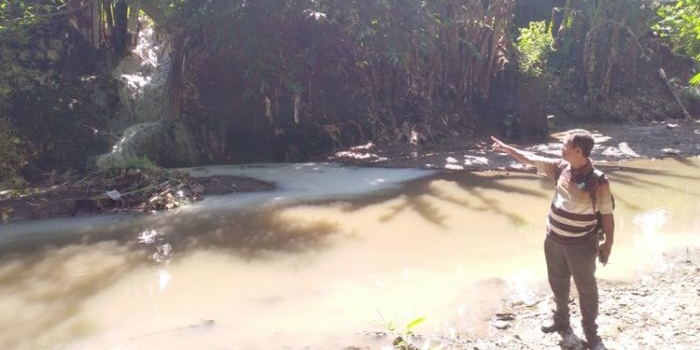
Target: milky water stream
x=335, y=254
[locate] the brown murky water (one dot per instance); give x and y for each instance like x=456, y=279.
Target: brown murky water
x=320, y=276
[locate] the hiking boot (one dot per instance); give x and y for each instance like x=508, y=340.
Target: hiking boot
x=555, y=327
x=569, y=340
x=595, y=344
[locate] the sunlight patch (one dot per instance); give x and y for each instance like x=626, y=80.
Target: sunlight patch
x=164, y=278
x=622, y=150
x=651, y=240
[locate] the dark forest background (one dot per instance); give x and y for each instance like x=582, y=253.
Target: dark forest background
x=294, y=80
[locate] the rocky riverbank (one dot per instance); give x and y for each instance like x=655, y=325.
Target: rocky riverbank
x=614, y=143
x=117, y=190
x=661, y=310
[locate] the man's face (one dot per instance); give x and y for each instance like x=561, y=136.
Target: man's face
x=569, y=151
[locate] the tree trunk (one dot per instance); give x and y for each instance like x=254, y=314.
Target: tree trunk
x=95, y=14
x=172, y=101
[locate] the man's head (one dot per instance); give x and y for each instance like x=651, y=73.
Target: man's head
x=577, y=146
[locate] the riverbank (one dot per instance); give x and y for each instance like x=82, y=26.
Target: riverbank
x=661, y=310
x=144, y=190
x=614, y=143
x=118, y=190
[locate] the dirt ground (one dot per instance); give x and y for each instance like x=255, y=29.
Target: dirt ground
x=614, y=142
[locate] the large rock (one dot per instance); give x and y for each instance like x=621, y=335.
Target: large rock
x=168, y=144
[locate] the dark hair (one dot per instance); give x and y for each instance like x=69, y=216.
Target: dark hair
x=582, y=139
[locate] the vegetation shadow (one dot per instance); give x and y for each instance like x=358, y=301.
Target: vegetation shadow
x=414, y=195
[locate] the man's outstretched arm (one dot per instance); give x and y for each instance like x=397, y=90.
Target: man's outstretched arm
x=521, y=156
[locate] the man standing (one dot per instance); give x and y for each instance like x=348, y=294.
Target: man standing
x=572, y=243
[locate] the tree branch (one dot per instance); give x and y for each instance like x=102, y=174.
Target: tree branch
x=54, y=14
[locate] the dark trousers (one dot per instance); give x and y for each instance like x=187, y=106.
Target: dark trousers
x=578, y=261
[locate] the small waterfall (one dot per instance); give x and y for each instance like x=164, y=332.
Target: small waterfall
x=144, y=77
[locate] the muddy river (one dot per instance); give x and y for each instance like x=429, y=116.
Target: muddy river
x=333, y=256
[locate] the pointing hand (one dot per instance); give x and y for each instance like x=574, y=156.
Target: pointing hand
x=498, y=145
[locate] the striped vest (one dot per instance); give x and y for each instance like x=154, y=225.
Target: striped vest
x=571, y=217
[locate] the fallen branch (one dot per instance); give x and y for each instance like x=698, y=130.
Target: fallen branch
x=677, y=98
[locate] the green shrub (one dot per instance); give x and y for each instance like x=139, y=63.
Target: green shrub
x=13, y=156
x=534, y=44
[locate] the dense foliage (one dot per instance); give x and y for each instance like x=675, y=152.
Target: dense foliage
x=13, y=155
x=345, y=70
x=283, y=80
x=52, y=92
x=534, y=45
x=602, y=40
x=679, y=26
x=22, y=68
